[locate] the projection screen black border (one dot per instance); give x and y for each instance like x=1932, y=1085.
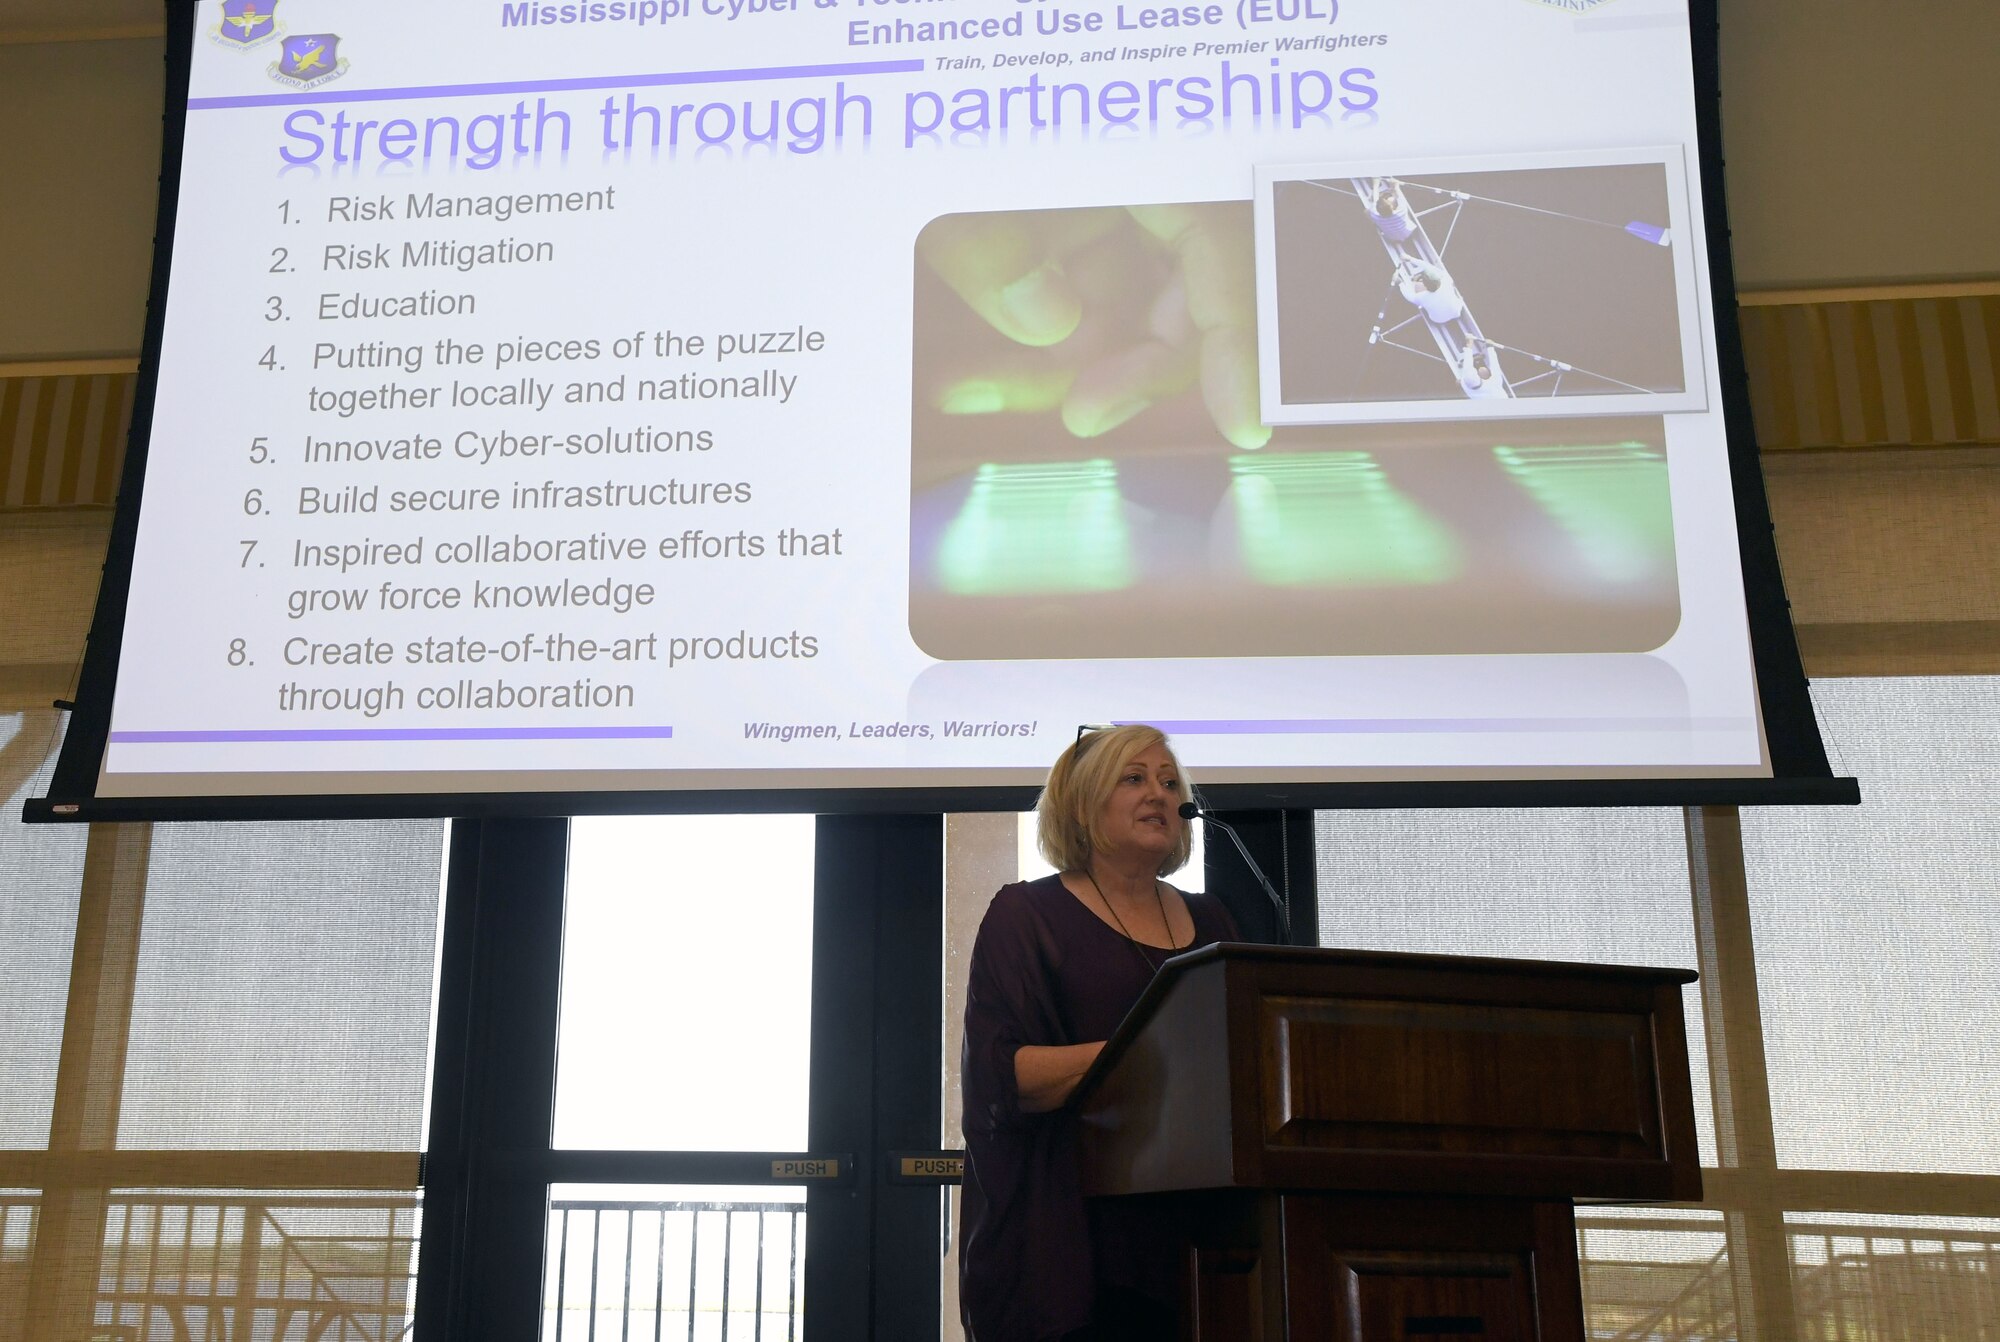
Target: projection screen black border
x=1606, y=792
x=1801, y=773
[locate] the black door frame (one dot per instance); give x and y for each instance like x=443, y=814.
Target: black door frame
x=873, y=1245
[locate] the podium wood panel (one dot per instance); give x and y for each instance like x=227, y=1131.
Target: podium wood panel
x=1454, y=1077
x=1279, y=1067
x=1373, y=1270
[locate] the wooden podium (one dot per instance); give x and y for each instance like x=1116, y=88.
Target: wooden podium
x=1368, y=1147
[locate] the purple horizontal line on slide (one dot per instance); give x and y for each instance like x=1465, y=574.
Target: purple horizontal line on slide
x=1331, y=726
x=558, y=85
x=394, y=734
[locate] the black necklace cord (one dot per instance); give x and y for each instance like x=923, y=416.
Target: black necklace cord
x=1139, y=947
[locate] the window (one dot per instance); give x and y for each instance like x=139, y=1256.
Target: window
x=1878, y=936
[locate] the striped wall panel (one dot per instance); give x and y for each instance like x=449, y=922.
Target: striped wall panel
x=1916, y=372
x=62, y=439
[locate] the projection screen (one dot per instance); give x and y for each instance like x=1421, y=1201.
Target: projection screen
x=817, y=402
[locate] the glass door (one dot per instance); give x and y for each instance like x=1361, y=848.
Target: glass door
x=747, y=1029
x=685, y=1028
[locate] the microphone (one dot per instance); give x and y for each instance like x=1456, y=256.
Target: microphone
x=1189, y=810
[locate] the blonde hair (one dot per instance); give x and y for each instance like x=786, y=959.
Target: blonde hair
x=1082, y=780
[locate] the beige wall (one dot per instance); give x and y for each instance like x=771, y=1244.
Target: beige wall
x=79, y=172
x=1861, y=140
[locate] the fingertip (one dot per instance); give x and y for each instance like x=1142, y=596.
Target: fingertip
x=1040, y=308
x=972, y=397
x=1229, y=387
x=1092, y=417
x=1248, y=437
x=1021, y=386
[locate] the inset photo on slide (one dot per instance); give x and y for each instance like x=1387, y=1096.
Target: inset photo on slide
x=1497, y=287
x=1091, y=478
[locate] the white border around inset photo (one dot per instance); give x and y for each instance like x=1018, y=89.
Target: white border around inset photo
x=1693, y=396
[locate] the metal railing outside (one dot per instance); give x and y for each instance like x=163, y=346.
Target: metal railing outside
x=674, y=1271
x=229, y=1268
x=224, y=1267
x=1643, y=1292
x=1860, y=1283
x=300, y=1268
x=1850, y=1283
x=19, y=1209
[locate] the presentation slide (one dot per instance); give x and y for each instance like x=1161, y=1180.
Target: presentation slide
x=803, y=394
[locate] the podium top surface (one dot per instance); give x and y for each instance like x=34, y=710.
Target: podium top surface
x=1362, y=962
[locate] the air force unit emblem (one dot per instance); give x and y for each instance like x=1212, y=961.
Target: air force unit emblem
x=309, y=60
x=246, y=23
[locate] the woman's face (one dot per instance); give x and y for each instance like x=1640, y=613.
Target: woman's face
x=1142, y=814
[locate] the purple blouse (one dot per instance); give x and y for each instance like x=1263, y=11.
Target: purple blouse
x=1046, y=970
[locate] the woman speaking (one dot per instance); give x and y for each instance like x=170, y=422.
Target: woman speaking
x=1057, y=964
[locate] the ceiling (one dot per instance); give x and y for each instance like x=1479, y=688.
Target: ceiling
x=80, y=20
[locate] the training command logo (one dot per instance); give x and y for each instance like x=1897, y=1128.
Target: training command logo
x=246, y=24
x=309, y=60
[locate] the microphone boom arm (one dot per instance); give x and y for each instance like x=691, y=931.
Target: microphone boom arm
x=1189, y=810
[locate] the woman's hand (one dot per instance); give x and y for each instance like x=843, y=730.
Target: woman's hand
x=1046, y=1074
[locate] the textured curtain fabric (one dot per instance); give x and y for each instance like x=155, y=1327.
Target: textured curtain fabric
x=41, y=873
x=1878, y=936
x=283, y=989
